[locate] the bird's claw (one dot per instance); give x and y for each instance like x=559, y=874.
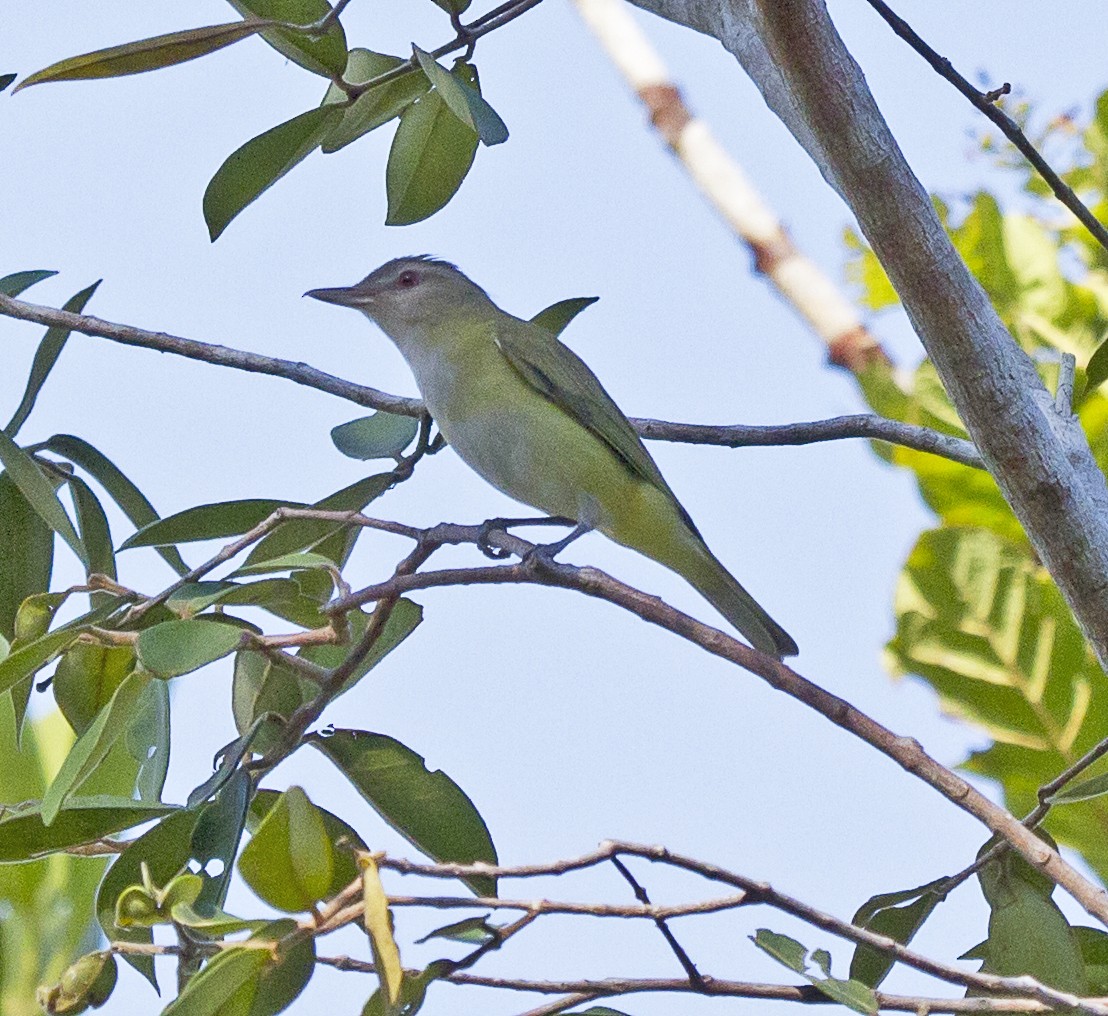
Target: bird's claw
x=485, y=531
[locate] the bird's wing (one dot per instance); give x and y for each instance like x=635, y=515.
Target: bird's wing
x=559, y=374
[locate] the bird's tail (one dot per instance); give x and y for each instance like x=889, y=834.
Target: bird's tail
x=722, y=590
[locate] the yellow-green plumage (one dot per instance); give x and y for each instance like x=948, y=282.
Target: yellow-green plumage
x=527, y=414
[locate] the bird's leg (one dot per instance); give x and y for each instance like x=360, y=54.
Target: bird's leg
x=489, y=525
x=548, y=551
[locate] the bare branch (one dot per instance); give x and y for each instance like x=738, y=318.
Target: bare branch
x=720, y=178
x=985, y=102
x=730, y=436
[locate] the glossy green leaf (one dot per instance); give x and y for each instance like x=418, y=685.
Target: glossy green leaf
x=147, y=740
x=378, y=436
x=130, y=499
x=93, y=745
x=226, y=986
x=14, y=284
x=558, y=315
x=325, y=55
x=790, y=953
x=1028, y=935
x=289, y=862
x=215, y=839
x=1093, y=943
x=376, y=106
x=86, y=678
x=49, y=349
x=1085, y=790
x=96, y=534
x=898, y=915
x=377, y=921
x=39, y=492
x=173, y=648
x=257, y=165
x=1096, y=372
x=6, y=79
x=207, y=522
x=308, y=534
x=263, y=687
x=27, y=550
x=144, y=55
x=345, y=842
x=88, y=982
x=24, y=835
x=464, y=99
x=30, y=658
x=427, y=808
x=404, y=619
x=287, y=562
x=431, y=153
x=985, y=626
x=472, y=930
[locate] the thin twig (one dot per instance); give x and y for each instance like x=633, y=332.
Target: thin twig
x=986, y=103
x=730, y=436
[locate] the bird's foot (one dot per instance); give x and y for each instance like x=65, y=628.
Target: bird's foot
x=489, y=526
x=545, y=553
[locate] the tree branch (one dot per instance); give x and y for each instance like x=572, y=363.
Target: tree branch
x=728, y=435
x=986, y=103
x=905, y=751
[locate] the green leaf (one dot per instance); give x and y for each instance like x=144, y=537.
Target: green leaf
x=49, y=349
x=87, y=982
x=790, y=953
x=453, y=6
x=173, y=648
x=899, y=915
x=345, y=842
x=299, y=561
x=264, y=687
x=325, y=55
x=472, y=930
x=1086, y=790
x=24, y=835
x=413, y=989
x=27, y=550
x=288, y=861
x=28, y=659
x=96, y=535
x=1093, y=944
x=86, y=678
x=207, y=522
x=376, y=106
x=427, y=808
x=130, y=499
x=14, y=284
x=144, y=55
x=378, y=436
x=464, y=99
x=558, y=315
x=377, y=920
x=39, y=492
x=6, y=79
x=1096, y=372
x=308, y=534
x=432, y=151
x=984, y=625
x=1028, y=935
x=147, y=740
x=404, y=619
x=226, y=986
x=261, y=162
x=215, y=840
x=93, y=745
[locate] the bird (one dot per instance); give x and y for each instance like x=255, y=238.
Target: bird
x=529, y=416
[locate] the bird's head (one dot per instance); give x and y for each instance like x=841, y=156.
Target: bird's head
x=408, y=294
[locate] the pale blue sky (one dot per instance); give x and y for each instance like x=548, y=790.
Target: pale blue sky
x=566, y=720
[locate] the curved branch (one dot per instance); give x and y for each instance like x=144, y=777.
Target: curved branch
x=727, y=435
x=905, y=751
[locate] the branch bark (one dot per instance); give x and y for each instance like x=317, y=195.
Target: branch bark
x=1038, y=455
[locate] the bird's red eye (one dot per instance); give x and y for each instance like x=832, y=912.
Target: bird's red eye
x=407, y=279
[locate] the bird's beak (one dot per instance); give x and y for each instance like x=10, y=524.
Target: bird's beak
x=344, y=296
